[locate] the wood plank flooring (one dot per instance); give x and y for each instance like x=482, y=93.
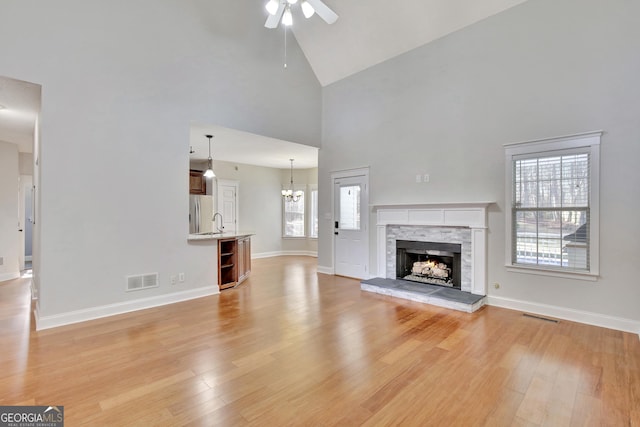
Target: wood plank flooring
x=292, y=347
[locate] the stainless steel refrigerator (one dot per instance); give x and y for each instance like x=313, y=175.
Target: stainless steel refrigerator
x=200, y=214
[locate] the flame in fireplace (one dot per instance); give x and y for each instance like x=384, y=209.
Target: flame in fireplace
x=431, y=268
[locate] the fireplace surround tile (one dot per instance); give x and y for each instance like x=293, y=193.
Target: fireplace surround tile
x=458, y=235
x=462, y=223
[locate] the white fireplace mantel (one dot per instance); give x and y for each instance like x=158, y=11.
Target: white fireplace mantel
x=472, y=215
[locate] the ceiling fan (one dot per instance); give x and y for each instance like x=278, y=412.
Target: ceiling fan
x=282, y=9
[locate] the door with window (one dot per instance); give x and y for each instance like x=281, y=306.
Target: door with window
x=351, y=242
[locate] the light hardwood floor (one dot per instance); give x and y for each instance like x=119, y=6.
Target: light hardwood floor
x=291, y=347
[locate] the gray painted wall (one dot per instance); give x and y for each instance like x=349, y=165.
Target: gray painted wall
x=542, y=69
x=121, y=82
x=9, y=234
x=258, y=203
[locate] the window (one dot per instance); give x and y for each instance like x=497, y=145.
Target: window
x=350, y=207
x=313, y=212
x=552, y=191
x=293, y=217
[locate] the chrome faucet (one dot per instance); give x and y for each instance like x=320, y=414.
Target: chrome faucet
x=221, y=228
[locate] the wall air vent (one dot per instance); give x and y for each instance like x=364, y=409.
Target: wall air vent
x=142, y=281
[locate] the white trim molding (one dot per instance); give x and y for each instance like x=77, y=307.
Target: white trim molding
x=260, y=255
x=9, y=276
x=588, y=142
x=92, y=313
x=326, y=270
x=587, y=317
x=472, y=215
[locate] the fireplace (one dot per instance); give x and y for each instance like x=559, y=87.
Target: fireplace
x=434, y=263
x=463, y=225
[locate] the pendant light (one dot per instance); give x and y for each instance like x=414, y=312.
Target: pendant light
x=209, y=172
x=290, y=195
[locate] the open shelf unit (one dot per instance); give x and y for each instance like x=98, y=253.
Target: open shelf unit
x=227, y=260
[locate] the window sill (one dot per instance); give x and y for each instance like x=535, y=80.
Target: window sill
x=576, y=275
x=294, y=237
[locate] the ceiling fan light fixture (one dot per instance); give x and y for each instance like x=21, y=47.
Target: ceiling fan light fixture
x=307, y=9
x=287, y=18
x=272, y=7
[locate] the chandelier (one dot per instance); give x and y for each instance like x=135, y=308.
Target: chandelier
x=290, y=195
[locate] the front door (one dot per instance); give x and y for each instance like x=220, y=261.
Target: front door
x=351, y=207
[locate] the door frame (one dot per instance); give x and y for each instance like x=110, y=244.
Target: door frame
x=364, y=212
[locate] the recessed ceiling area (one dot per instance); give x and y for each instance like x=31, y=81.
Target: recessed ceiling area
x=231, y=145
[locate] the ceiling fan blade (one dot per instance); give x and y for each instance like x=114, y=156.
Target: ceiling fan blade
x=273, y=20
x=323, y=11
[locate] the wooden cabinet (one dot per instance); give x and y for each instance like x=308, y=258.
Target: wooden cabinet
x=197, y=182
x=234, y=261
x=227, y=258
x=244, y=258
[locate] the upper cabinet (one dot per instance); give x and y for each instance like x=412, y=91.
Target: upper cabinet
x=197, y=183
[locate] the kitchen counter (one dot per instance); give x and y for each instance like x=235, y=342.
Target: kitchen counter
x=218, y=236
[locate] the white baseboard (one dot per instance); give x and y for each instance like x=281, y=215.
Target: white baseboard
x=589, y=318
x=325, y=270
x=9, y=276
x=46, y=322
x=284, y=253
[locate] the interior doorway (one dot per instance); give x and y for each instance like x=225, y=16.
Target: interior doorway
x=25, y=221
x=227, y=195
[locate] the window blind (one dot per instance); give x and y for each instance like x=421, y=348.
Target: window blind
x=551, y=211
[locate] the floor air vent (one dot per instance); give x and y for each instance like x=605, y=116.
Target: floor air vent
x=143, y=281
x=533, y=316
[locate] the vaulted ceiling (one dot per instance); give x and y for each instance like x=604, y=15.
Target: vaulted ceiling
x=367, y=33
x=371, y=31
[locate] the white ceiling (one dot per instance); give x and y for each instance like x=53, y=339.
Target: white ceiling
x=367, y=32
x=236, y=146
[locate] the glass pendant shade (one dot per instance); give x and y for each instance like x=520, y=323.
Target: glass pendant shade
x=272, y=7
x=209, y=172
x=287, y=18
x=307, y=9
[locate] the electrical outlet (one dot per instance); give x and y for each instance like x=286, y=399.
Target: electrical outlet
x=426, y=177
x=181, y=277
x=496, y=285
x=174, y=279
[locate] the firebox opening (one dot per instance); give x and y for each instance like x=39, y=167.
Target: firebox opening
x=429, y=262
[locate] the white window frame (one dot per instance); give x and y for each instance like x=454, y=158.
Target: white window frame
x=284, y=225
x=588, y=142
x=312, y=188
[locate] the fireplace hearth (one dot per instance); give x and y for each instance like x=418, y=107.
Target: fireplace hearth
x=461, y=224
x=458, y=223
